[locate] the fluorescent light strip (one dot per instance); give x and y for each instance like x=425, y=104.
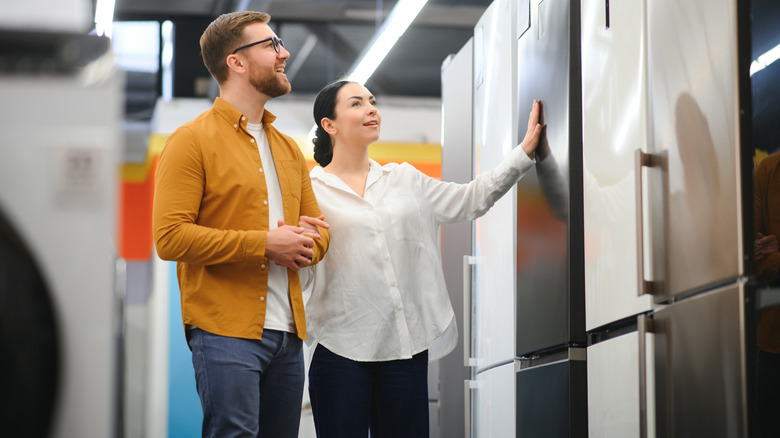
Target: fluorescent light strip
x=104, y=17
x=765, y=60
x=402, y=15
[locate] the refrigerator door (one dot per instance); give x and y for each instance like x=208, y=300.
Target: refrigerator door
x=694, y=90
x=552, y=399
x=550, y=298
x=492, y=408
x=700, y=371
x=456, y=239
x=614, y=98
x=614, y=396
x=495, y=133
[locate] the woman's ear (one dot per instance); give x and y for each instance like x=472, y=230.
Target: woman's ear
x=328, y=125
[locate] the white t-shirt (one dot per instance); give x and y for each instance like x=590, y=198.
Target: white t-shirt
x=278, y=313
x=379, y=293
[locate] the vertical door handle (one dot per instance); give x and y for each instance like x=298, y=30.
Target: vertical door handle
x=468, y=308
x=644, y=326
x=641, y=160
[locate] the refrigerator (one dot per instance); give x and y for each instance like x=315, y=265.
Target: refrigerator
x=550, y=343
x=668, y=236
x=614, y=118
x=456, y=239
x=700, y=233
x=489, y=271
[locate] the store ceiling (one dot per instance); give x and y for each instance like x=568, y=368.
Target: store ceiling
x=325, y=37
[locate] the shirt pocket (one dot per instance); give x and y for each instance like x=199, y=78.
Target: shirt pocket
x=291, y=173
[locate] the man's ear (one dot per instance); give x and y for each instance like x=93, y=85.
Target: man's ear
x=235, y=63
x=328, y=125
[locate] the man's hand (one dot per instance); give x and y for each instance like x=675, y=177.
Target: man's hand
x=288, y=246
x=765, y=245
x=311, y=224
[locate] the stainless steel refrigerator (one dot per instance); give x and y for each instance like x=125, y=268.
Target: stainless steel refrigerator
x=667, y=215
x=550, y=302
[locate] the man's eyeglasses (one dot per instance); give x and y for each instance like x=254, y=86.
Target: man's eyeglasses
x=277, y=44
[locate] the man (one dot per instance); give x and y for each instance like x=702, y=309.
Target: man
x=227, y=186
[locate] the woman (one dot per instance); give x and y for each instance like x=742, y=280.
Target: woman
x=379, y=299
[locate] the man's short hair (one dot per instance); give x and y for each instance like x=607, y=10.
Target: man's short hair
x=224, y=35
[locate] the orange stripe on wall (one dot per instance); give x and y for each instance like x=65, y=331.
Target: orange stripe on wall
x=135, y=217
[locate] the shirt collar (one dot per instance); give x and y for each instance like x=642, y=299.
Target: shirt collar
x=235, y=117
x=375, y=172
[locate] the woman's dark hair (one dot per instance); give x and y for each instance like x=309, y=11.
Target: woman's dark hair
x=325, y=106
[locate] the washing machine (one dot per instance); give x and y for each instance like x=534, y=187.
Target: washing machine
x=60, y=307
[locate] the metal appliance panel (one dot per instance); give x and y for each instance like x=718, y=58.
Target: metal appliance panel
x=613, y=387
x=456, y=239
x=550, y=298
x=694, y=128
x=614, y=90
x=552, y=400
x=700, y=371
x=493, y=400
x=495, y=133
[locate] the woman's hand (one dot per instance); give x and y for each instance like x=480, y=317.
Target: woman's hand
x=534, y=131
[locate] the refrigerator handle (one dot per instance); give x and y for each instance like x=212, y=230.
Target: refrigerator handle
x=467, y=408
x=644, y=326
x=641, y=160
x=468, y=307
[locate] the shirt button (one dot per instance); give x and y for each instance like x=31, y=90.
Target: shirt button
x=387, y=258
x=262, y=266
x=243, y=118
x=251, y=140
x=393, y=284
x=261, y=170
x=379, y=230
x=262, y=298
x=265, y=202
x=399, y=308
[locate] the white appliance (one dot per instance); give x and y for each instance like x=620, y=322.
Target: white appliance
x=61, y=311
x=489, y=343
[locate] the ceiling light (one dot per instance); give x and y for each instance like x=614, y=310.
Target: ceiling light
x=104, y=17
x=402, y=15
x=765, y=60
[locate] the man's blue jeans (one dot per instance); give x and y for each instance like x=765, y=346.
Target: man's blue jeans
x=249, y=388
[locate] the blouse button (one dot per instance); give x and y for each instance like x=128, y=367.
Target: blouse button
x=262, y=298
x=262, y=266
x=235, y=125
x=265, y=202
x=251, y=140
x=261, y=170
x=243, y=118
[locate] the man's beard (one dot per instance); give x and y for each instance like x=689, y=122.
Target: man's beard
x=271, y=86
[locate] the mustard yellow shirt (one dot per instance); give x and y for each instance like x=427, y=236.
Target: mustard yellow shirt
x=209, y=215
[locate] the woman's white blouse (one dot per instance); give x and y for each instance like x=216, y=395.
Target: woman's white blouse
x=379, y=293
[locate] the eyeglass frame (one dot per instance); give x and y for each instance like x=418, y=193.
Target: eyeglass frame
x=277, y=44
